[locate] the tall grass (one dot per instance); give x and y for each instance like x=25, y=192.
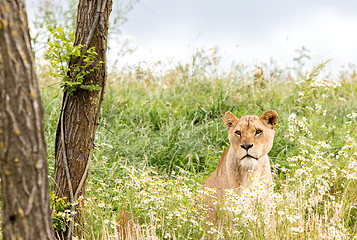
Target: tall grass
x=161, y=134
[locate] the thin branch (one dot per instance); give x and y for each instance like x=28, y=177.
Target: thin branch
x=66, y=168
x=103, y=126
x=92, y=148
x=91, y=33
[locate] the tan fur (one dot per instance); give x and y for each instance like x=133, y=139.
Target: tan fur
x=233, y=167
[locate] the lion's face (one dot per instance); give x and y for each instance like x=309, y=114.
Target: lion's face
x=251, y=136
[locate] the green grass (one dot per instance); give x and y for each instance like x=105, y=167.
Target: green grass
x=173, y=119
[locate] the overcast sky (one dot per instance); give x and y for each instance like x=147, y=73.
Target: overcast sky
x=249, y=31
x=246, y=31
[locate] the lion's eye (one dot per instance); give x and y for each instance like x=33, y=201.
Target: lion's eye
x=238, y=133
x=258, y=132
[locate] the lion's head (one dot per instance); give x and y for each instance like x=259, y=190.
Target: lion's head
x=251, y=136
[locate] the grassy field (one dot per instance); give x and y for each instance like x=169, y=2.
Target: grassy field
x=161, y=134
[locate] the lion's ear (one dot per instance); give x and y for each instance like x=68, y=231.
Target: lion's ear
x=230, y=119
x=270, y=117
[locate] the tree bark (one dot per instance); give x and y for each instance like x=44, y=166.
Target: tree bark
x=26, y=210
x=80, y=107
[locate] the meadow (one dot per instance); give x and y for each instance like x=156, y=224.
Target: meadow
x=161, y=134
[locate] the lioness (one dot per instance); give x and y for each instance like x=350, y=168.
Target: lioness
x=251, y=139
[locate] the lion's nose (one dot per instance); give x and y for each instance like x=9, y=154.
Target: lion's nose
x=246, y=146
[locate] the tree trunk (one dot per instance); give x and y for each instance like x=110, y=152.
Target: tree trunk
x=80, y=107
x=26, y=210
